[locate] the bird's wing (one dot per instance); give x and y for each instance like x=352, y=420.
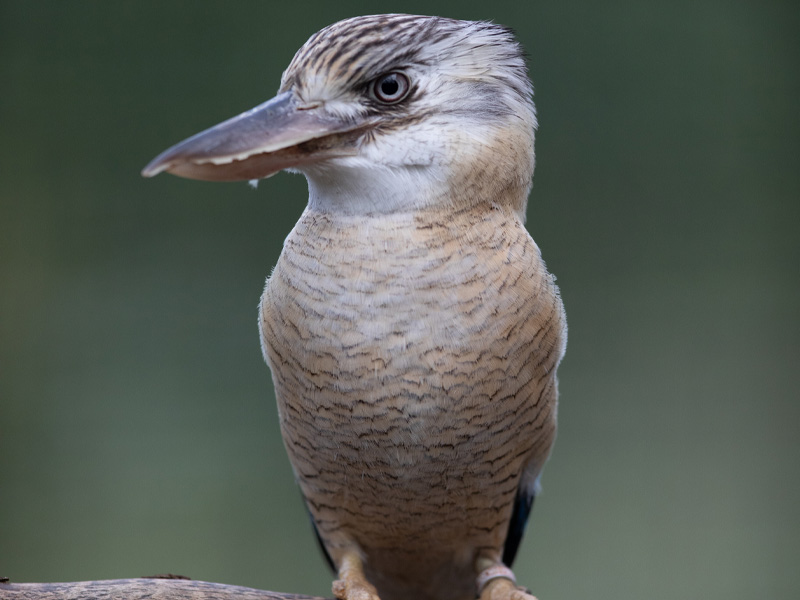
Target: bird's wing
x=523, y=504
x=325, y=553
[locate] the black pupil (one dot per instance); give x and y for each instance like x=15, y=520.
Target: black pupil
x=390, y=86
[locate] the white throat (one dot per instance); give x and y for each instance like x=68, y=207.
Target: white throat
x=375, y=189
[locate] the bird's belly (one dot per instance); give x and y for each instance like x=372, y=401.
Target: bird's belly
x=412, y=390
x=405, y=451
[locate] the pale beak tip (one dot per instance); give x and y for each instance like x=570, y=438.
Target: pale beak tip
x=154, y=167
x=252, y=145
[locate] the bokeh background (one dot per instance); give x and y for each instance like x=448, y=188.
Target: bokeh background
x=138, y=432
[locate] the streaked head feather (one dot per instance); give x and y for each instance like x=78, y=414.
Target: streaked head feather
x=470, y=112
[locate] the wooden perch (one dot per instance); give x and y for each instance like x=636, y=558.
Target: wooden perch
x=139, y=589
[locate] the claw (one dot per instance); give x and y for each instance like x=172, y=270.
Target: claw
x=352, y=585
x=504, y=589
x=352, y=590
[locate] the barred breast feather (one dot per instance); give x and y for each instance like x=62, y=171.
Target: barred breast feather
x=414, y=357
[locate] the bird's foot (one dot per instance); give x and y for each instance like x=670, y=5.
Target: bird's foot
x=352, y=585
x=504, y=589
x=349, y=589
x=496, y=581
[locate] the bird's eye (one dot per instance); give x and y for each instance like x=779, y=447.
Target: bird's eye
x=391, y=88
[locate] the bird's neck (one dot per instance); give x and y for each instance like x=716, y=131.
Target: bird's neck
x=329, y=243
x=371, y=190
x=397, y=193
x=385, y=190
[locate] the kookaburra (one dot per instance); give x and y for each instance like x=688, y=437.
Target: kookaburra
x=412, y=329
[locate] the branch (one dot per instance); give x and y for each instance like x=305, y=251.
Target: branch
x=139, y=589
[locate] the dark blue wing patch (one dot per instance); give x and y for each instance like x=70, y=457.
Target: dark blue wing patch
x=327, y=556
x=519, y=519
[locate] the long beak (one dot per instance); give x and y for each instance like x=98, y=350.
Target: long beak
x=276, y=135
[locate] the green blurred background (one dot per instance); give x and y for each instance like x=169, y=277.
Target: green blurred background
x=138, y=432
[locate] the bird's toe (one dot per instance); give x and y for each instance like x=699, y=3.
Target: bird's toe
x=505, y=589
x=345, y=589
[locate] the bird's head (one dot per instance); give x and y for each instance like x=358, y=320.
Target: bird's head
x=385, y=113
